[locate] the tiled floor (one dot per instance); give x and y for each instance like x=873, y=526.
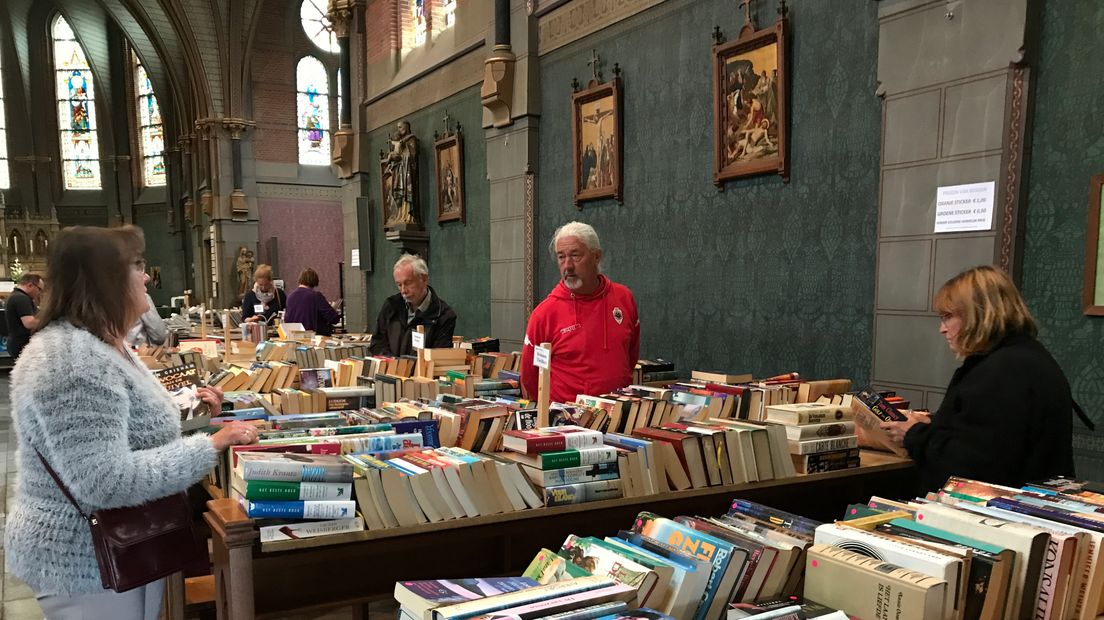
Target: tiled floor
x=18, y=599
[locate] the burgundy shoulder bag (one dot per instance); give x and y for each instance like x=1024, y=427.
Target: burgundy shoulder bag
x=137, y=545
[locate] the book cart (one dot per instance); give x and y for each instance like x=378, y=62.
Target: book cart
x=254, y=580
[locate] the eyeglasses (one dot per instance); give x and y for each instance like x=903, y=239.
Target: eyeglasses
x=140, y=265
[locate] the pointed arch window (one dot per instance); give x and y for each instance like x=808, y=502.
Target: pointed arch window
x=313, y=85
x=151, y=132
x=80, y=148
x=5, y=180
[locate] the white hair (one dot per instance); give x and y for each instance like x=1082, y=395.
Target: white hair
x=583, y=232
x=417, y=263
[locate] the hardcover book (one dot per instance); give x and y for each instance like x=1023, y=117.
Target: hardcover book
x=420, y=598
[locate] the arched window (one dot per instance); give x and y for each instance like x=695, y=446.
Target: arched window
x=15, y=243
x=5, y=181
x=314, y=112
x=415, y=21
x=316, y=23
x=151, y=134
x=80, y=149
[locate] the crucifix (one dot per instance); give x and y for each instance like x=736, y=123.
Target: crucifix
x=749, y=21
x=448, y=123
x=595, y=63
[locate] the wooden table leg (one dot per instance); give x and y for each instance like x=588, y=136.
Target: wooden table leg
x=232, y=538
x=172, y=606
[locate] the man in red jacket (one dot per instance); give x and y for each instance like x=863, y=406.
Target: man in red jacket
x=590, y=320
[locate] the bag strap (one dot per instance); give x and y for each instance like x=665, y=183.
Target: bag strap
x=53, y=474
x=1083, y=417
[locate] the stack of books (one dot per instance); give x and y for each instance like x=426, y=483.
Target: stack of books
x=294, y=487
x=821, y=437
x=414, y=486
x=569, y=464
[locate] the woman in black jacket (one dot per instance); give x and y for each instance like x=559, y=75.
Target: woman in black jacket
x=264, y=300
x=1006, y=417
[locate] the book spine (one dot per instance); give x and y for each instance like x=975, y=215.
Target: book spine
x=267, y=489
x=575, y=475
x=300, y=510
x=1046, y=513
x=309, y=529
x=818, y=431
x=815, y=446
x=577, y=458
x=295, y=472
x=580, y=493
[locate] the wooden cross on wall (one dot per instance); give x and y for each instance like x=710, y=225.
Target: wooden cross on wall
x=749, y=21
x=595, y=63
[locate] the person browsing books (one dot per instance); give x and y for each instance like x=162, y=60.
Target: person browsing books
x=590, y=320
x=19, y=311
x=415, y=304
x=309, y=307
x=149, y=329
x=100, y=420
x=264, y=300
x=1006, y=416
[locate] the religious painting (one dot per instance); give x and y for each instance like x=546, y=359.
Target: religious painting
x=1092, y=300
x=749, y=108
x=450, y=177
x=596, y=133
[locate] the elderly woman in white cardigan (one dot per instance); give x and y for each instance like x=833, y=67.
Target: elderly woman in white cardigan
x=100, y=419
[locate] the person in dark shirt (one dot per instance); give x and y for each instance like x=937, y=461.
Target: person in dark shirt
x=415, y=304
x=309, y=307
x=20, y=312
x=1007, y=415
x=264, y=300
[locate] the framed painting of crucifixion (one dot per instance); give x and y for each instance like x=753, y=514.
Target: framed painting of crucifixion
x=596, y=138
x=750, y=110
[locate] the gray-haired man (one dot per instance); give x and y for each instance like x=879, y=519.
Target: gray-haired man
x=415, y=304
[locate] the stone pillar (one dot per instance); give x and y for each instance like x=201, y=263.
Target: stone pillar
x=342, y=14
x=511, y=132
x=955, y=86
x=239, y=209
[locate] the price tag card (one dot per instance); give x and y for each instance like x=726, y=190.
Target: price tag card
x=542, y=358
x=417, y=340
x=258, y=308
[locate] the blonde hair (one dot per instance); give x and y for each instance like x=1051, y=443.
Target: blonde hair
x=263, y=271
x=989, y=305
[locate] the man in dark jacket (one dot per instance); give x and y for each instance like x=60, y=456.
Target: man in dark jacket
x=416, y=304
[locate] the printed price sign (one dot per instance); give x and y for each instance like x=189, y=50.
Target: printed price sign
x=542, y=358
x=417, y=340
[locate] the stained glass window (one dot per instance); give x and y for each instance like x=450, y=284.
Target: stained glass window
x=151, y=133
x=448, y=13
x=5, y=181
x=317, y=25
x=419, y=18
x=314, y=112
x=80, y=149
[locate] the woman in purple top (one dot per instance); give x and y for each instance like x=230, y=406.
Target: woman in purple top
x=309, y=307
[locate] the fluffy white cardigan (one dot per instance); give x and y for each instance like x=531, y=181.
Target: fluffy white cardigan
x=112, y=434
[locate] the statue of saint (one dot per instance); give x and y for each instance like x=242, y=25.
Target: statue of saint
x=245, y=270
x=401, y=162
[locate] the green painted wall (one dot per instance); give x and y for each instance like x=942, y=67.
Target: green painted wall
x=765, y=277
x=1067, y=148
x=459, y=253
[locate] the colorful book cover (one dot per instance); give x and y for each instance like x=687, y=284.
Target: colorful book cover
x=300, y=510
x=548, y=567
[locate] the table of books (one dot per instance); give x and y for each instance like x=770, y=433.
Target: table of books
x=255, y=580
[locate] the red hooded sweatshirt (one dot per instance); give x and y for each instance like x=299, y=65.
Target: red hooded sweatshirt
x=595, y=341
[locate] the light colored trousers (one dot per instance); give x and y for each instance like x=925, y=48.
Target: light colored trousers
x=142, y=603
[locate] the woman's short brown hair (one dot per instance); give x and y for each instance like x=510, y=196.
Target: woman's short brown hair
x=263, y=272
x=989, y=305
x=89, y=270
x=308, y=277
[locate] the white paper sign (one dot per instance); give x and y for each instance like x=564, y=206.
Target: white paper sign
x=355, y=259
x=960, y=208
x=417, y=340
x=542, y=357
x=258, y=308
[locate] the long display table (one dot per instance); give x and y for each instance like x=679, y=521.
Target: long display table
x=254, y=580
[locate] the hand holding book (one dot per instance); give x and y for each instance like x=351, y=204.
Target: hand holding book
x=896, y=430
x=211, y=395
